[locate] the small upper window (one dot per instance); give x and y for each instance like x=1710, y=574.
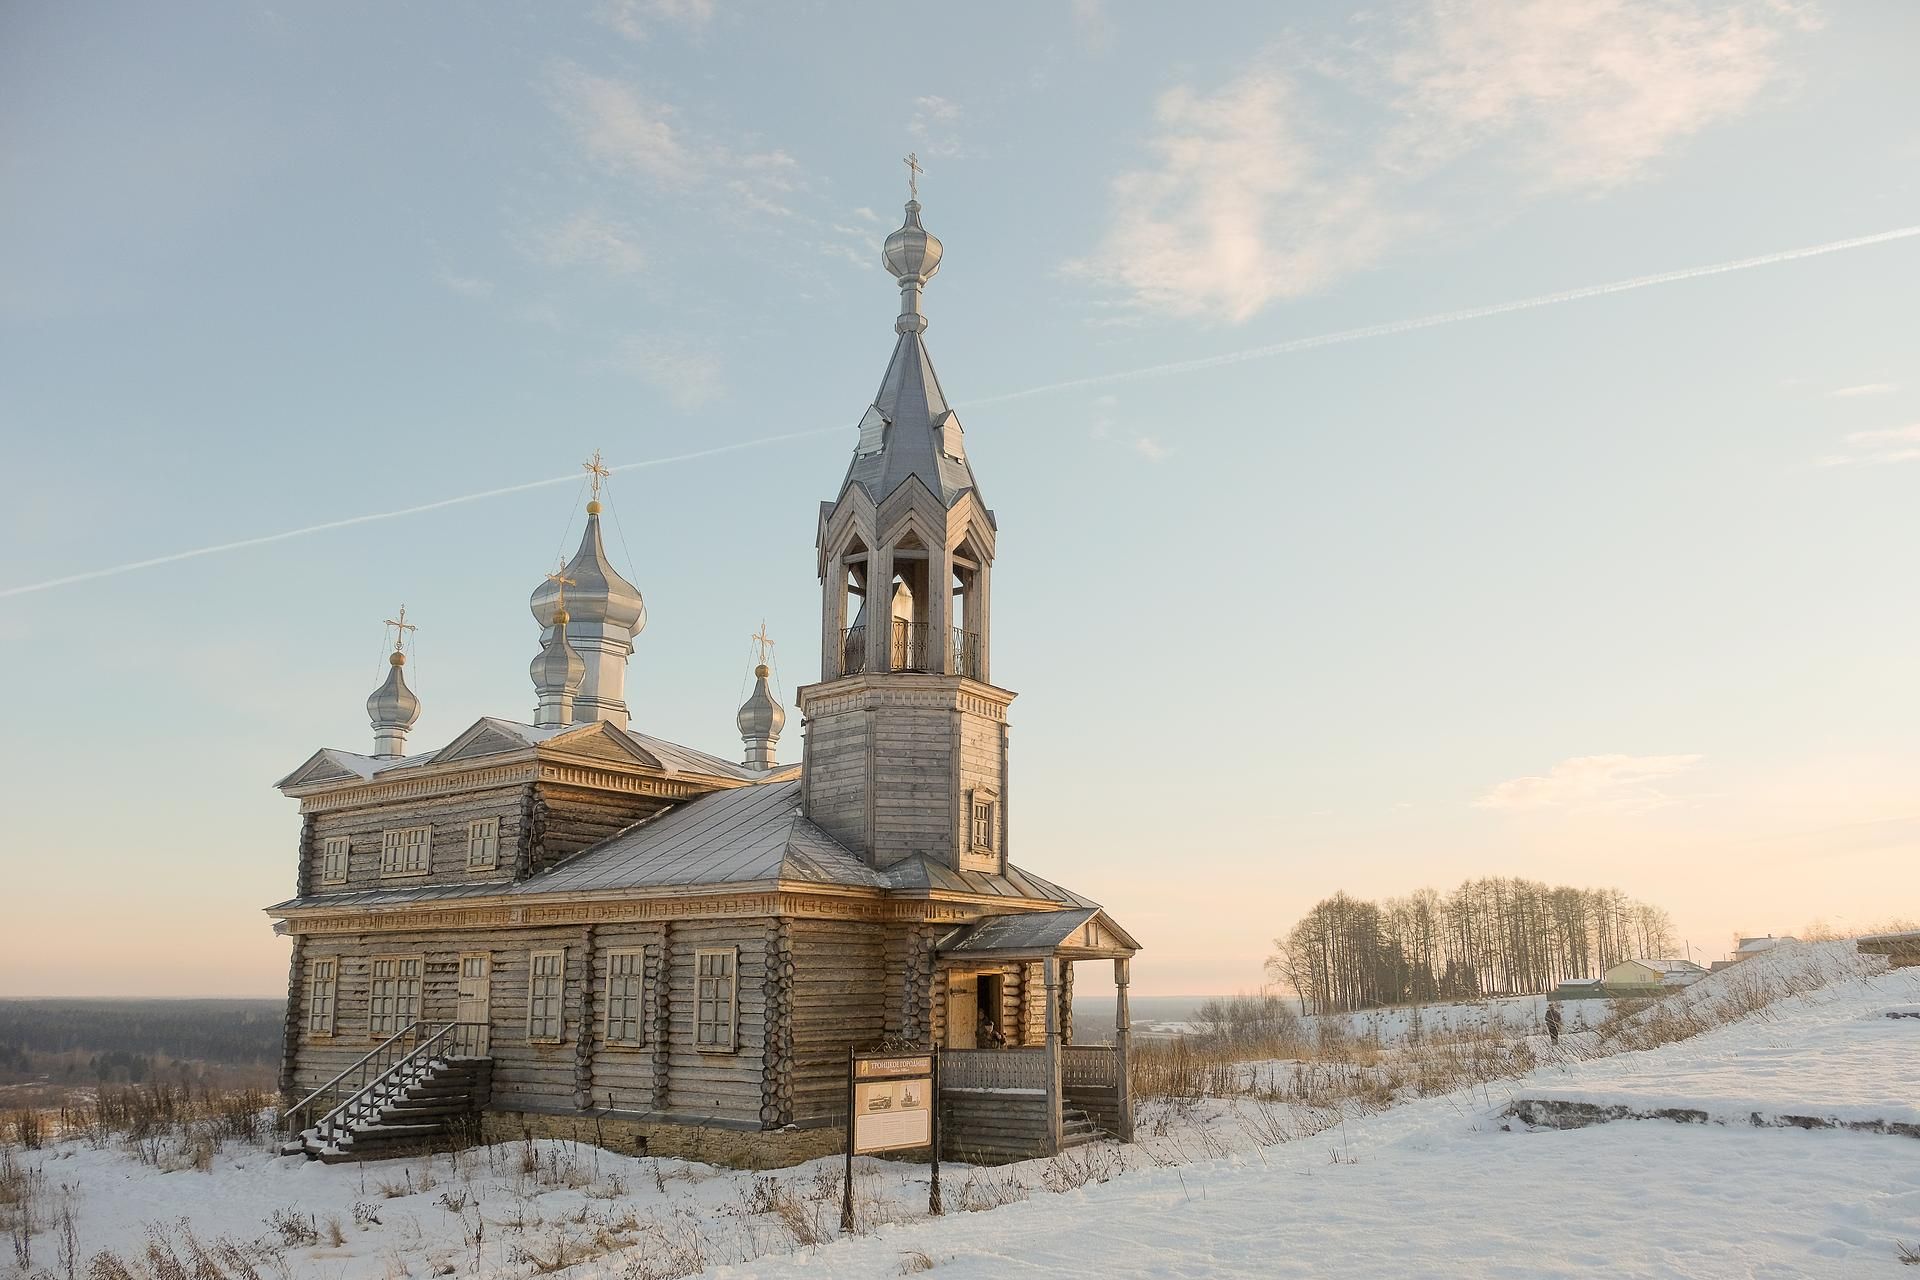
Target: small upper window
x=984, y=806
x=483, y=844
x=333, y=860
x=406, y=851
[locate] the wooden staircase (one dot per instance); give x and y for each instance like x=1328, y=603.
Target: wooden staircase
x=408, y=1095
x=1077, y=1128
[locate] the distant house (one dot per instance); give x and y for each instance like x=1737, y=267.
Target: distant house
x=1751, y=947
x=1648, y=976
x=1579, y=989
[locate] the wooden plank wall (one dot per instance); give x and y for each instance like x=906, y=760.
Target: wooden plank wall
x=724, y=1086
x=836, y=775
x=572, y=818
x=624, y=1078
x=839, y=999
x=448, y=816
x=992, y=1128
x=913, y=805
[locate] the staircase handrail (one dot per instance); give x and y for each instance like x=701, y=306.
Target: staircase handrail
x=293, y=1113
x=423, y=1051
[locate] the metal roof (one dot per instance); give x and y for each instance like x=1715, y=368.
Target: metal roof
x=922, y=874
x=911, y=401
x=392, y=896
x=1027, y=932
x=747, y=835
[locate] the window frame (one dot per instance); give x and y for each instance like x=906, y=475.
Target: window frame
x=395, y=843
x=406, y=1006
x=493, y=836
x=638, y=997
x=330, y=848
x=558, y=996
x=323, y=976
x=976, y=798
x=732, y=997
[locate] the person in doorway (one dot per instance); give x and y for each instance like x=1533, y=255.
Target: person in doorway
x=988, y=1036
x=1553, y=1025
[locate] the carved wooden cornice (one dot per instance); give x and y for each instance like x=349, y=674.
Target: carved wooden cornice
x=429, y=916
x=431, y=786
x=904, y=689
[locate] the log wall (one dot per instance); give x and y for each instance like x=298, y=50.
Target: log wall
x=447, y=858
x=839, y=1000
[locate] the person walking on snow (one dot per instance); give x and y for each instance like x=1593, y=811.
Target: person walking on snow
x=1553, y=1024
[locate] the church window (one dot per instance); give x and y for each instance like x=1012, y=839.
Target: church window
x=393, y=999
x=624, y=977
x=404, y=852
x=483, y=844
x=333, y=860
x=546, y=996
x=984, y=807
x=715, y=1021
x=322, y=986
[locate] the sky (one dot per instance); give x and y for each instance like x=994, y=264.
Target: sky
x=1616, y=589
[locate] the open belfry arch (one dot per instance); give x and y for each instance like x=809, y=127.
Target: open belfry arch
x=570, y=925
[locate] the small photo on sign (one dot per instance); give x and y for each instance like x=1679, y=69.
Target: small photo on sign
x=891, y=1115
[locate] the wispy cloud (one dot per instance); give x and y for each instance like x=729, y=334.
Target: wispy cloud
x=638, y=19
x=1615, y=784
x=590, y=239
x=689, y=376
x=466, y=286
x=1877, y=448
x=1105, y=427
x=624, y=132
x=934, y=128
x=1252, y=197
x=1864, y=389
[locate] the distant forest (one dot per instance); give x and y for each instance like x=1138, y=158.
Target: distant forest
x=1488, y=937
x=132, y=1041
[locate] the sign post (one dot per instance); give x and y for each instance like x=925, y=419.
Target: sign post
x=893, y=1104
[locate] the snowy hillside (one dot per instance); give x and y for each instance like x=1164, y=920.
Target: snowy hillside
x=1229, y=1186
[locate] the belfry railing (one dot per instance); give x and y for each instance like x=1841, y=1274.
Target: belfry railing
x=912, y=647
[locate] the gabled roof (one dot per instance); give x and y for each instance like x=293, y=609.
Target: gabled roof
x=1667, y=966
x=913, y=405
x=921, y=874
x=493, y=736
x=746, y=835
x=1031, y=932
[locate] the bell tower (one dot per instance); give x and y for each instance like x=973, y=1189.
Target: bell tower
x=906, y=735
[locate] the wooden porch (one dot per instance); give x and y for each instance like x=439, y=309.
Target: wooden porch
x=1017, y=1102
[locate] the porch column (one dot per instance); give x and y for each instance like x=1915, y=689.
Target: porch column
x=1122, y=1033
x=1050, y=977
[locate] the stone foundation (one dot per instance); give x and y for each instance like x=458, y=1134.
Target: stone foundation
x=636, y=1135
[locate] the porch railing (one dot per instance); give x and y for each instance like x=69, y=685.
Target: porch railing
x=1089, y=1066
x=912, y=647
x=994, y=1069
x=369, y=1083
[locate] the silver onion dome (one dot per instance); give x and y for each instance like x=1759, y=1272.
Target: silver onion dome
x=760, y=721
x=912, y=252
x=596, y=592
x=393, y=708
x=559, y=665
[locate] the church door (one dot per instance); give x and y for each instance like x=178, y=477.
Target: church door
x=963, y=1010
x=476, y=1002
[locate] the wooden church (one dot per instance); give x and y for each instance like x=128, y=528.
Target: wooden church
x=571, y=927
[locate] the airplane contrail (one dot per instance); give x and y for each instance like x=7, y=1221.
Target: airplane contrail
x=1450, y=317
x=373, y=516
x=1072, y=384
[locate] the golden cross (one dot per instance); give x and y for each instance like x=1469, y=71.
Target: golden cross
x=559, y=576
x=400, y=627
x=762, y=642
x=913, y=174
x=592, y=466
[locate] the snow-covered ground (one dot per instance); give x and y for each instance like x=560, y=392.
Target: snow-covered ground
x=1232, y=1187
